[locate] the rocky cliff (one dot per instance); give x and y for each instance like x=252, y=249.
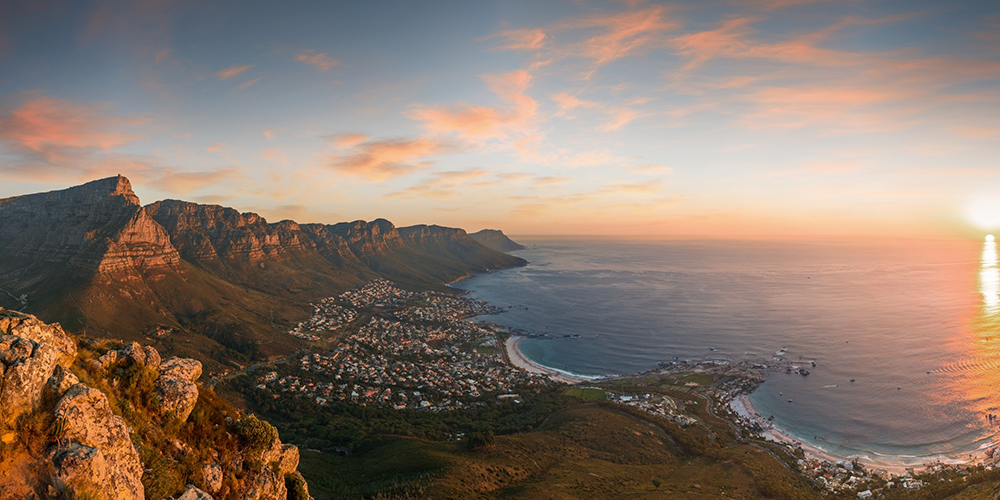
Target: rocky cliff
x=495, y=239
x=113, y=422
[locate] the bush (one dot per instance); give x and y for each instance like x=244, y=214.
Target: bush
x=256, y=434
x=484, y=439
x=296, y=487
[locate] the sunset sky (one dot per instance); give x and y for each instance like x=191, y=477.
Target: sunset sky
x=716, y=118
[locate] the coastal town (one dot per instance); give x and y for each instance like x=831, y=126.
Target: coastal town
x=387, y=346
x=381, y=345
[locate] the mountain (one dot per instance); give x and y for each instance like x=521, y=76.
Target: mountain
x=495, y=239
x=215, y=279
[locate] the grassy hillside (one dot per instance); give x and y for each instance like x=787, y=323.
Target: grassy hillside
x=589, y=451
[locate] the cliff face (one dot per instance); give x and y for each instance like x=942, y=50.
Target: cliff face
x=98, y=226
x=495, y=239
x=113, y=425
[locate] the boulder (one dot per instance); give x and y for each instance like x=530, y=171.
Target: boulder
x=183, y=368
x=78, y=466
x=90, y=422
x=152, y=357
x=133, y=354
x=29, y=352
x=60, y=381
x=211, y=475
x=107, y=359
x=28, y=365
x=193, y=493
x=177, y=396
x=267, y=485
x=29, y=327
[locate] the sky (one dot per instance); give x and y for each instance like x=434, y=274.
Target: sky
x=703, y=118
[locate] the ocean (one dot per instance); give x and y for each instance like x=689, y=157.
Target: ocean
x=882, y=312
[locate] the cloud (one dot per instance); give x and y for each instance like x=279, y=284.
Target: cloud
x=486, y=122
x=653, y=169
x=321, y=62
x=249, y=83
x=976, y=132
x=215, y=147
x=619, y=115
x=445, y=185
x=62, y=135
x=521, y=39
x=232, y=71
x=619, y=35
x=380, y=160
x=269, y=134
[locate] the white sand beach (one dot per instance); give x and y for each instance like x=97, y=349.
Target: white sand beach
x=521, y=361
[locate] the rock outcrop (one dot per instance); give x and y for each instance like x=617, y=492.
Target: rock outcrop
x=87, y=420
x=176, y=386
x=29, y=353
x=75, y=442
x=98, y=226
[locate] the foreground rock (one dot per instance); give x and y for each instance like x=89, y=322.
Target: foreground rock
x=73, y=440
x=29, y=353
x=176, y=386
x=87, y=420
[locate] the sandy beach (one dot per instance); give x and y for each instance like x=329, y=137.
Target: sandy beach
x=521, y=361
x=742, y=406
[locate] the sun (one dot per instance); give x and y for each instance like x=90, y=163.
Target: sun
x=984, y=212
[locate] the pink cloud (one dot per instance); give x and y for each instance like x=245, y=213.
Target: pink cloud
x=485, y=122
x=619, y=35
x=321, y=62
x=56, y=130
x=249, y=83
x=385, y=159
x=232, y=71
x=521, y=39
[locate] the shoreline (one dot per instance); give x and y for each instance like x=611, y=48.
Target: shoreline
x=742, y=406
x=518, y=359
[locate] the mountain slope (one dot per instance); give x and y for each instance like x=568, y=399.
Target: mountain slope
x=495, y=239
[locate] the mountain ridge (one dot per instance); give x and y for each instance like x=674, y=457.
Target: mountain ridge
x=96, y=260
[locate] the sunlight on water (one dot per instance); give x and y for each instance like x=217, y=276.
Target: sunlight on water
x=989, y=278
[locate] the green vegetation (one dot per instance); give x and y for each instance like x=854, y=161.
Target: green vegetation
x=588, y=394
x=296, y=487
x=350, y=426
x=257, y=435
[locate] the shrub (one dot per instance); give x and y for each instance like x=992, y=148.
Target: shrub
x=256, y=434
x=296, y=487
x=484, y=439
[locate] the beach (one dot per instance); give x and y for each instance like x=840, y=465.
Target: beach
x=518, y=359
x=742, y=406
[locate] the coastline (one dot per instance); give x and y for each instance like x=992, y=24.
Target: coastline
x=518, y=359
x=742, y=406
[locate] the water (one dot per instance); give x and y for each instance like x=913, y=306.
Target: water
x=884, y=312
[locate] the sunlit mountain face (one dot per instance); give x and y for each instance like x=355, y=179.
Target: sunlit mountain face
x=721, y=119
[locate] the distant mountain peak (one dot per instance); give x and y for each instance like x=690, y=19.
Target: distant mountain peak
x=118, y=185
x=495, y=239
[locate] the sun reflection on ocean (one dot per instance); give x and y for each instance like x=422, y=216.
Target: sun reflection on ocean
x=982, y=370
x=989, y=278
